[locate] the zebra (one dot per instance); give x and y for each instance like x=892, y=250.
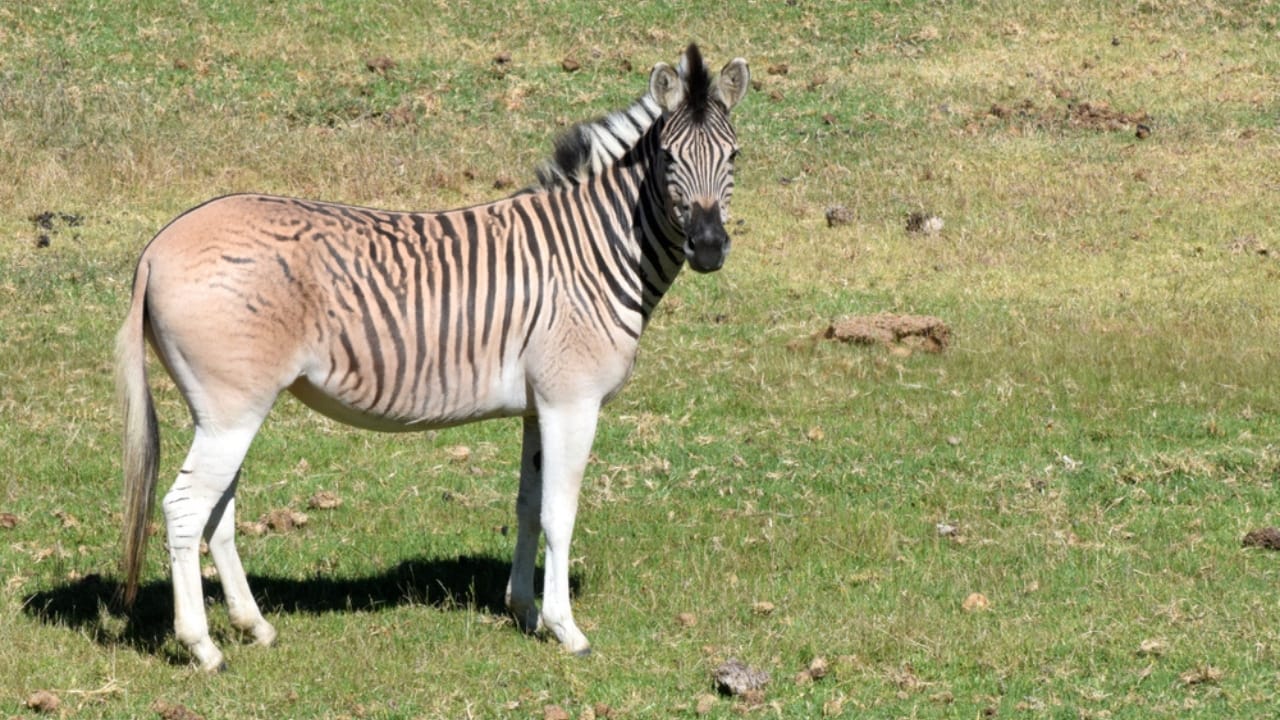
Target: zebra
x=531, y=306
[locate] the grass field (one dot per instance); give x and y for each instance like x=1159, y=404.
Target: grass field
x=1101, y=433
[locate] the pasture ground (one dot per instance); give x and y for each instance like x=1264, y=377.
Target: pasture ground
x=1094, y=444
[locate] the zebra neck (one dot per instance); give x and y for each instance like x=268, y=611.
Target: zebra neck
x=659, y=240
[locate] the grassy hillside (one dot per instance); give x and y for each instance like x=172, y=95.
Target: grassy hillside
x=1086, y=455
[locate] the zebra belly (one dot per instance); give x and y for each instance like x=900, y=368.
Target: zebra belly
x=507, y=400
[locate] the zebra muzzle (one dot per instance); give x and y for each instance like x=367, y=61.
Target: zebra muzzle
x=706, y=243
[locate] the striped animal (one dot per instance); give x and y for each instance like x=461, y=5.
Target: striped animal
x=530, y=306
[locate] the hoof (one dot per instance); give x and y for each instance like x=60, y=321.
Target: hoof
x=584, y=652
x=208, y=657
x=264, y=636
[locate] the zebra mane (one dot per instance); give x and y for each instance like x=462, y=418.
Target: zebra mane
x=694, y=73
x=588, y=148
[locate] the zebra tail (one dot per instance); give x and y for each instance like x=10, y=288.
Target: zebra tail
x=141, y=436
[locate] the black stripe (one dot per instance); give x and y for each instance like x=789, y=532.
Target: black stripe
x=473, y=283
x=539, y=283
x=447, y=242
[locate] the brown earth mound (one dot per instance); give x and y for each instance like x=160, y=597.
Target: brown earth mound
x=917, y=332
x=1082, y=115
x=1268, y=538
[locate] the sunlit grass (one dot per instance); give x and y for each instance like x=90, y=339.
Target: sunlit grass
x=1100, y=434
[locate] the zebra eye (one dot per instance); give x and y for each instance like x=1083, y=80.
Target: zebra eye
x=733, y=156
x=669, y=157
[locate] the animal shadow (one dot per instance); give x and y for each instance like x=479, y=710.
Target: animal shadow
x=91, y=605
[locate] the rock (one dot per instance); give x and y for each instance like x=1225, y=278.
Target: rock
x=733, y=677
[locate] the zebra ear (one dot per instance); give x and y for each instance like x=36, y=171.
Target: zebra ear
x=734, y=80
x=666, y=87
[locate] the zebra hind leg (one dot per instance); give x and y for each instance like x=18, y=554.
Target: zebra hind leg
x=520, y=596
x=196, y=506
x=241, y=606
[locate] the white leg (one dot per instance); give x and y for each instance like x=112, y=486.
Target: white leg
x=241, y=606
x=204, y=485
x=520, y=599
x=567, y=434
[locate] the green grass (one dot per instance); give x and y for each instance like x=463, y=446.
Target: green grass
x=1102, y=431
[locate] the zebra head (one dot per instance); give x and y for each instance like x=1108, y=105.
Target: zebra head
x=698, y=150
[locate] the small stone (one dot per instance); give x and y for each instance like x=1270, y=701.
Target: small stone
x=570, y=64
x=687, y=619
x=763, y=607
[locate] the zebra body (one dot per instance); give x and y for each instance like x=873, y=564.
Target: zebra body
x=529, y=306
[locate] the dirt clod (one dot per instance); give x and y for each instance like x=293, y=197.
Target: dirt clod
x=816, y=670
x=923, y=332
x=380, y=65
x=281, y=520
x=839, y=215
x=554, y=712
x=43, y=701
x=174, y=711
x=1204, y=674
x=570, y=64
x=975, y=602
x=8, y=521
x=1153, y=647
x=687, y=619
x=1096, y=116
x=46, y=225
x=1267, y=538
x=284, y=520
x=324, y=500
x=733, y=677
x=924, y=223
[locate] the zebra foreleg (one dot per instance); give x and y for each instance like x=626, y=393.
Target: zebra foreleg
x=567, y=433
x=520, y=596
